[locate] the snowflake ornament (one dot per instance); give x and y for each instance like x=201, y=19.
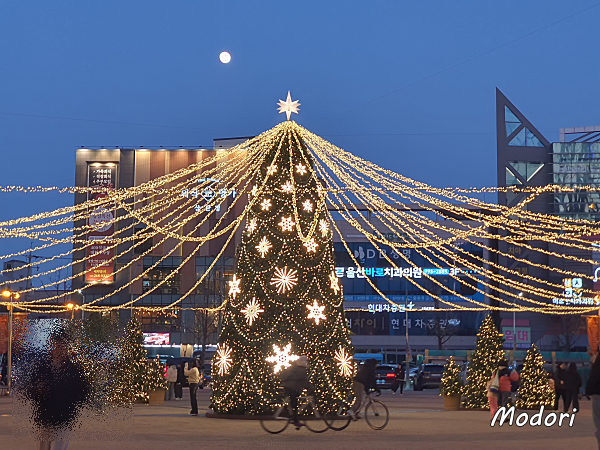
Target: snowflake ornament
x=287, y=187
x=301, y=169
x=234, y=286
x=254, y=190
x=252, y=225
x=252, y=311
x=307, y=206
x=323, y=227
x=265, y=204
x=284, y=279
x=271, y=169
x=344, y=362
x=282, y=357
x=287, y=224
x=316, y=312
x=311, y=245
x=224, y=359
x=335, y=282
x=263, y=246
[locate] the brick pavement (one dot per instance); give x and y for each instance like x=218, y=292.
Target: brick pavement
x=416, y=421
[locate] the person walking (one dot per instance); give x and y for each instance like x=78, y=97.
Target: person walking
x=191, y=371
x=592, y=388
x=572, y=384
x=180, y=382
x=399, y=379
x=559, y=384
x=505, y=377
x=171, y=380
x=492, y=388
x=364, y=380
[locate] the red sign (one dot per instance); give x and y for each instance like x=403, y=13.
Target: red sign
x=4, y=334
x=100, y=252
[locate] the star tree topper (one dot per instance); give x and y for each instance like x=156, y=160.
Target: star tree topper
x=288, y=107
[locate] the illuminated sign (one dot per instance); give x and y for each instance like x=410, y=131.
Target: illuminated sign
x=573, y=294
x=157, y=338
x=208, y=193
x=393, y=272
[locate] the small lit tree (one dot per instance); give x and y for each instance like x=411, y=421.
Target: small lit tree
x=451, y=382
x=534, y=390
x=484, y=361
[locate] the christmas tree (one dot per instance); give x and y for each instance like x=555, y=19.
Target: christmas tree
x=484, y=361
x=534, y=390
x=451, y=382
x=285, y=299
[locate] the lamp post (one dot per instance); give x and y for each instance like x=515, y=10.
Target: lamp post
x=72, y=307
x=13, y=296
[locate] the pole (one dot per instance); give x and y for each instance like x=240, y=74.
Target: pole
x=10, y=326
x=407, y=362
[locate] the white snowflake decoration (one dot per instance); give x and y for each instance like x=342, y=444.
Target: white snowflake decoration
x=252, y=311
x=335, y=283
x=307, y=206
x=254, y=190
x=344, y=362
x=311, y=245
x=265, y=204
x=263, y=246
x=316, y=312
x=252, y=225
x=287, y=224
x=224, y=359
x=282, y=357
x=287, y=187
x=301, y=169
x=271, y=169
x=323, y=227
x=234, y=286
x=285, y=279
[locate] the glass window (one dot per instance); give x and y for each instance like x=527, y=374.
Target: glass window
x=509, y=116
x=525, y=138
x=510, y=127
x=511, y=179
x=519, y=139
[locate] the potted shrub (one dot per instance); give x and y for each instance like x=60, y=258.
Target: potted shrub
x=156, y=382
x=451, y=385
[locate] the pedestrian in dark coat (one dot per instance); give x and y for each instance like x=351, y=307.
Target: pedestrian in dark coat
x=399, y=379
x=572, y=385
x=592, y=388
x=559, y=384
x=294, y=380
x=181, y=379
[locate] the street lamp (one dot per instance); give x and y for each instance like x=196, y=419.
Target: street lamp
x=73, y=307
x=13, y=296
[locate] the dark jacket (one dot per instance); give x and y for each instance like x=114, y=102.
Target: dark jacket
x=592, y=386
x=295, y=378
x=366, y=376
x=181, y=378
x=57, y=393
x=399, y=373
x=572, y=381
x=559, y=375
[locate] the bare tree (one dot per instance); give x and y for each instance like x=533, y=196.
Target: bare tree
x=206, y=327
x=572, y=327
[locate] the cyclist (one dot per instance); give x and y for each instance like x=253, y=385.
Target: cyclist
x=364, y=381
x=294, y=380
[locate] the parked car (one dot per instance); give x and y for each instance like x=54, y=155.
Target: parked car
x=385, y=376
x=429, y=376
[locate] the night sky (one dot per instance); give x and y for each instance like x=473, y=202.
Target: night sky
x=408, y=85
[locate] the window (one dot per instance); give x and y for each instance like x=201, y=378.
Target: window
x=159, y=321
x=526, y=170
x=511, y=121
x=158, y=275
x=525, y=138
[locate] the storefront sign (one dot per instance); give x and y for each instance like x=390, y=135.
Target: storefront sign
x=157, y=338
x=391, y=272
x=523, y=337
x=208, y=193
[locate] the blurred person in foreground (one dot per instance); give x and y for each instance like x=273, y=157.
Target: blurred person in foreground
x=294, y=380
x=364, y=381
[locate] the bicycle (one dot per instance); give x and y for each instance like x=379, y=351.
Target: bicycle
x=376, y=415
x=308, y=415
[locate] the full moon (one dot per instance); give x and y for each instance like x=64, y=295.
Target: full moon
x=225, y=57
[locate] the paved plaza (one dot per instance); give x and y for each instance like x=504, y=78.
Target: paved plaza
x=417, y=420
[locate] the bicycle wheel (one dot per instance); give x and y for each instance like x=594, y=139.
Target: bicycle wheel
x=377, y=415
x=314, y=420
x=338, y=422
x=276, y=425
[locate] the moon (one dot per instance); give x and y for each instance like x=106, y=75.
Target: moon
x=225, y=57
